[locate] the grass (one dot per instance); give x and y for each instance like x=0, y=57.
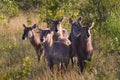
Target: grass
x=18, y=60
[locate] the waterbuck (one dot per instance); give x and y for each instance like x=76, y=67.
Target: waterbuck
x=34, y=37
x=75, y=31
x=81, y=40
x=55, y=51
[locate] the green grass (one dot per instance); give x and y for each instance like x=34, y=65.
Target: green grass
x=18, y=60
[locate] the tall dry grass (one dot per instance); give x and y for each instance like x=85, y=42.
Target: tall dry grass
x=18, y=59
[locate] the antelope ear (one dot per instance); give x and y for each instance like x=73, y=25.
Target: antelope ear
x=63, y=19
x=34, y=26
x=79, y=19
x=49, y=31
x=71, y=21
x=91, y=25
x=24, y=26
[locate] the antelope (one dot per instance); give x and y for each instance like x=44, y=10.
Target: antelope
x=60, y=34
x=34, y=37
x=55, y=51
x=76, y=28
x=82, y=42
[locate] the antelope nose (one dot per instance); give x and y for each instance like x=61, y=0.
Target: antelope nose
x=41, y=40
x=56, y=30
x=88, y=35
x=23, y=38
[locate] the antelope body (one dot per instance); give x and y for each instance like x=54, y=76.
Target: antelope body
x=34, y=38
x=81, y=42
x=55, y=51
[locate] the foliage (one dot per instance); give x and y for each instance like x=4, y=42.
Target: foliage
x=8, y=9
x=18, y=59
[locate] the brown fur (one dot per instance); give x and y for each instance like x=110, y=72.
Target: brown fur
x=65, y=41
x=60, y=34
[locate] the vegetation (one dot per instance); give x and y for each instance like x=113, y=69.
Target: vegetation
x=18, y=60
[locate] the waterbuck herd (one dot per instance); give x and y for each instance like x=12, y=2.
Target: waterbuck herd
x=58, y=46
